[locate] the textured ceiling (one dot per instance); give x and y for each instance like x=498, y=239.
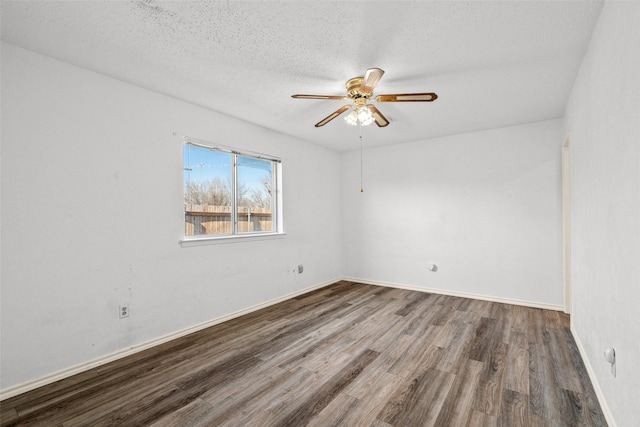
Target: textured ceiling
x=492, y=64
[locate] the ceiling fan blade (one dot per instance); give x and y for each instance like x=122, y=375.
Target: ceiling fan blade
x=319, y=97
x=407, y=97
x=371, y=79
x=380, y=119
x=333, y=115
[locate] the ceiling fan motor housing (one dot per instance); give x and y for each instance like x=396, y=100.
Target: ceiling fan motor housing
x=354, y=87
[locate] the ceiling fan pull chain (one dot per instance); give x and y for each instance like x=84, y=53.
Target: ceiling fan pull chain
x=361, y=149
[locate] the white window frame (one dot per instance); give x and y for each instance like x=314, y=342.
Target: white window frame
x=235, y=236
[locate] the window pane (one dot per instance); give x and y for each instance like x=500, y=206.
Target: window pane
x=207, y=191
x=255, y=195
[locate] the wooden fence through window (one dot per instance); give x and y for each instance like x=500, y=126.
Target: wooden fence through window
x=212, y=220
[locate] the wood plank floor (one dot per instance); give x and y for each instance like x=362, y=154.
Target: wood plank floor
x=349, y=355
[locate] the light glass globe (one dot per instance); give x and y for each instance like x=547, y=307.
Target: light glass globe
x=352, y=118
x=364, y=115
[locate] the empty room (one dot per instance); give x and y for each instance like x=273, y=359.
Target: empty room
x=349, y=213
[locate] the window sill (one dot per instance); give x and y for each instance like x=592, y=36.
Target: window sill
x=203, y=241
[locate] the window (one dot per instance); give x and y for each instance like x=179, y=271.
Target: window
x=227, y=193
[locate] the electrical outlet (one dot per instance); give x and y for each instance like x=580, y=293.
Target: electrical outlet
x=123, y=311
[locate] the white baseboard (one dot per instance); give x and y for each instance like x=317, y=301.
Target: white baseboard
x=68, y=372
x=594, y=381
x=459, y=294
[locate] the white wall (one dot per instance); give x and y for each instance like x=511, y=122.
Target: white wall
x=92, y=215
x=603, y=116
x=485, y=207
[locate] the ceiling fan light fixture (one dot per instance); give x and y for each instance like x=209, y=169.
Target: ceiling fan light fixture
x=352, y=118
x=367, y=121
x=360, y=115
x=364, y=115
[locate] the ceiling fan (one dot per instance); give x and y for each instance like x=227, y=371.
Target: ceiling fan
x=359, y=91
